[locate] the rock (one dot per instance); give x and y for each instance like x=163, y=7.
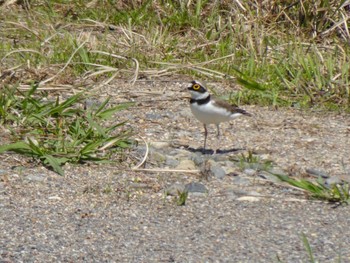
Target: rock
x=229, y=164
x=269, y=177
x=218, y=171
x=159, y=145
x=153, y=116
x=171, y=162
x=276, y=170
x=186, y=165
x=219, y=157
x=249, y=172
x=248, y=198
x=197, y=158
x=175, y=189
x=317, y=173
x=234, y=192
x=180, y=154
x=196, y=187
x=238, y=180
x=332, y=180
x=35, y=178
x=158, y=157
x=230, y=171
x=212, y=168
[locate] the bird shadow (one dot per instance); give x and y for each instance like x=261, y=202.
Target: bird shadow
x=211, y=152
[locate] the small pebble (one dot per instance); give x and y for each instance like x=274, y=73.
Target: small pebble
x=248, y=198
x=159, y=145
x=153, y=116
x=197, y=157
x=171, y=162
x=217, y=171
x=175, y=189
x=196, y=187
x=238, y=180
x=249, y=172
x=158, y=157
x=269, y=177
x=332, y=180
x=35, y=178
x=186, y=165
x=317, y=173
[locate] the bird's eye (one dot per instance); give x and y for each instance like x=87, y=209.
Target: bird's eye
x=196, y=86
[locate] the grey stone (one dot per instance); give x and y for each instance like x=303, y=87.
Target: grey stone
x=332, y=180
x=159, y=145
x=197, y=157
x=186, y=165
x=238, y=180
x=276, y=170
x=269, y=177
x=35, y=178
x=248, y=198
x=219, y=157
x=171, y=162
x=153, y=116
x=249, y=172
x=195, y=187
x=217, y=171
x=158, y=157
x=229, y=164
x=175, y=189
x=317, y=173
x=230, y=170
x=234, y=192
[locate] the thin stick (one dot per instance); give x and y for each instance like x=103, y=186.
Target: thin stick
x=144, y=157
x=66, y=65
x=167, y=170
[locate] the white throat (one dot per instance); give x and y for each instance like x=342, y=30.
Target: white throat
x=199, y=96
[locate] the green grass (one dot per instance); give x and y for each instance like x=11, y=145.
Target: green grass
x=319, y=190
x=335, y=193
x=281, y=53
x=56, y=132
x=252, y=161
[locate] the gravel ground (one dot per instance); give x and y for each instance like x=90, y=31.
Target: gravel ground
x=113, y=214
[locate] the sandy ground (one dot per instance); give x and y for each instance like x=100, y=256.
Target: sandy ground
x=112, y=214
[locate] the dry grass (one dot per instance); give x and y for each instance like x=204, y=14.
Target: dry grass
x=282, y=52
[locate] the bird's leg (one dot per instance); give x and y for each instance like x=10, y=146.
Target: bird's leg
x=205, y=135
x=218, y=135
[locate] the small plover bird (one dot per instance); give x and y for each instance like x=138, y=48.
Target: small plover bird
x=210, y=110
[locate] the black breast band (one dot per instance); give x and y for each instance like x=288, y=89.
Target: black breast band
x=200, y=101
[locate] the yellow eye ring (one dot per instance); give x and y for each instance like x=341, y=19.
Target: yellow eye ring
x=196, y=86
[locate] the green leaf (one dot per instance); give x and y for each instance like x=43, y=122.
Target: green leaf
x=107, y=114
x=250, y=84
x=16, y=147
x=102, y=106
x=96, y=126
x=90, y=147
x=54, y=163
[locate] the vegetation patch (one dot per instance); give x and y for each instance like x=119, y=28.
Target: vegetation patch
x=56, y=132
x=282, y=53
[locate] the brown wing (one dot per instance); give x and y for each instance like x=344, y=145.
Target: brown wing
x=228, y=106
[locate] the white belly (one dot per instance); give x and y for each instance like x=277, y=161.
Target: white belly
x=209, y=114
